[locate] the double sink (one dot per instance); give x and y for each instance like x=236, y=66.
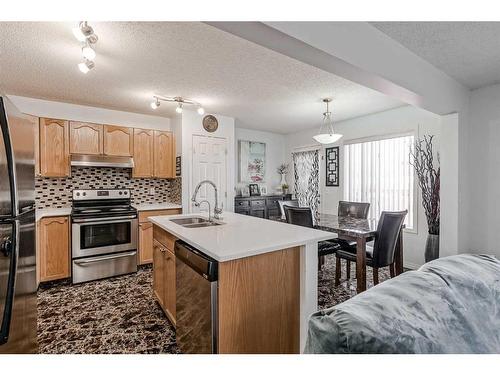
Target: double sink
x=195, y=222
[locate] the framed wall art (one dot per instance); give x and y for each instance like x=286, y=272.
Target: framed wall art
x=252, y=161
x=332, y=157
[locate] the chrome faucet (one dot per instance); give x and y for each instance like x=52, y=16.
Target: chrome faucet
x=217, y=210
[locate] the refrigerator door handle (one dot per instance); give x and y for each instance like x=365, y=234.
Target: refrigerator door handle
x=11, y=283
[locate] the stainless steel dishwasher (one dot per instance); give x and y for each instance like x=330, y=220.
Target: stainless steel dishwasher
x=196, y=300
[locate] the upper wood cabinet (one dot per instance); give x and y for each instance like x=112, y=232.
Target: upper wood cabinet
x=118, y=141
x=53, y=246
x=164, y=154
x=36, y=124
x=86, y=138
x=143, y=153
x=54, y=148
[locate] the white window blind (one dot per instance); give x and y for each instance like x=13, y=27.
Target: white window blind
x=379, y=172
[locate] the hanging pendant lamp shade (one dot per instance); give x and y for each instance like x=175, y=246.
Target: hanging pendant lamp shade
x=326, y=133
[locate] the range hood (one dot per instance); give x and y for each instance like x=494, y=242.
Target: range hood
x=102, y=161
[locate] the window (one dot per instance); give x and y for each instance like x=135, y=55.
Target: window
x=379, y=172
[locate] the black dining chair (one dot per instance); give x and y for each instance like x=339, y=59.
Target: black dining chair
x=303, y=216
x=358, y=210
x=384, y=247
x=291, y=203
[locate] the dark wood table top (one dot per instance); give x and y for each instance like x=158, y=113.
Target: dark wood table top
x=347, y=226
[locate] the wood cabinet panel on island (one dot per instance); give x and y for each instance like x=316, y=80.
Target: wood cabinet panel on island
x=118, y=140
x=86, y=138
x=143, y=153
x=54, y=148
x=258, y=305
x=54, y=248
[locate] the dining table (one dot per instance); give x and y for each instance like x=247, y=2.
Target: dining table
x=360, y=231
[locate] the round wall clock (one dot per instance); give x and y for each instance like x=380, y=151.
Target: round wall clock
x=210, y=123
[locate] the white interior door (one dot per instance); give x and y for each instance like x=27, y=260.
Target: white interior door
x=209, y=163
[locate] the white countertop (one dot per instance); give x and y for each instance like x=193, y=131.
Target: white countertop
x=241, y=236
x=48, y=212
x=155, y=206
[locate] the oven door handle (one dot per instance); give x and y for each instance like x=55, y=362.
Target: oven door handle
x=104, y=220
x=94, y=260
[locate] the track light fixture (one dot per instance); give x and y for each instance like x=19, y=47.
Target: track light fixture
x=85, y=33
x=176, y=99
x=86, y=66
x=88, y=52
x=155, y=104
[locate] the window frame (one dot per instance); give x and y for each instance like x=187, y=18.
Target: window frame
x=416, y=188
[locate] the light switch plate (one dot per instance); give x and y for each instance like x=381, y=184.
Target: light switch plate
x=151, y=191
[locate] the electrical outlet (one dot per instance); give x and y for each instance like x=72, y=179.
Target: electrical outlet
x=151, y=191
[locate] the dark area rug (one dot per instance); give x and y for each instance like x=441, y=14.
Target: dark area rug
x=117, y=315
x=120, y=315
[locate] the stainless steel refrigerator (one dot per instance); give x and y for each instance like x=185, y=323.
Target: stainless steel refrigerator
x=18, y=311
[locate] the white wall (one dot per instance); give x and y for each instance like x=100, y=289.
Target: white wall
x=67, y=111
x=482, y=161
x=395, y=121
x=275, y=155
x=176, y=126
x=192, y=125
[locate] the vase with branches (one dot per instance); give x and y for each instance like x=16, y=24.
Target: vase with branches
x=282, y=171
x=428, y=174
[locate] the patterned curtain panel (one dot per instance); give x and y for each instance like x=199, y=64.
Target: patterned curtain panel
x=306, y=170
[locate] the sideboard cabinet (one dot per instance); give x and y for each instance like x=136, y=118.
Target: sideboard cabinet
x=265, y=206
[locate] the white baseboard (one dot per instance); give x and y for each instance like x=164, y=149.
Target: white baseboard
x=410, y=265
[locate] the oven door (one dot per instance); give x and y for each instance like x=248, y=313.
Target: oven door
x=103, y=236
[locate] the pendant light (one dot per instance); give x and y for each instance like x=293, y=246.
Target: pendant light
x=326, y=133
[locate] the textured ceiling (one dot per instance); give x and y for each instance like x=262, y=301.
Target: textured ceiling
x=228, y=75
x=466, y=51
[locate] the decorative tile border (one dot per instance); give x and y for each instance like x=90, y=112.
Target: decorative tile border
x=57, y=192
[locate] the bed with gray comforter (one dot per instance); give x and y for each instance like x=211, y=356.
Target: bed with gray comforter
x=450, y=305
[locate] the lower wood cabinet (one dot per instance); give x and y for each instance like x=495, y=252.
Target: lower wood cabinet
x=53, y=248
x=145, y=248
x=158, y=271
x=169, y=280
x=145, y=253
x=164, y=278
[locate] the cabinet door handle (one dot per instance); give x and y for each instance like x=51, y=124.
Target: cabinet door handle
x=86, y=261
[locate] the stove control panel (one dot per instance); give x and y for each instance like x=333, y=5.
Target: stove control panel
x=93, y=194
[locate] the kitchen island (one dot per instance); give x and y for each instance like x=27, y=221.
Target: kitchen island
x=267, y=278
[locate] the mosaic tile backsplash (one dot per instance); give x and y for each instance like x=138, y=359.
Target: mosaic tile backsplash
x=57, y=192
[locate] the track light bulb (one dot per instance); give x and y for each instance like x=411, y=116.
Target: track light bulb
x=155, y=104
x=79, y=35
x=201, y=111
x=86, y=66
x=88, y=52
x=179, y=108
